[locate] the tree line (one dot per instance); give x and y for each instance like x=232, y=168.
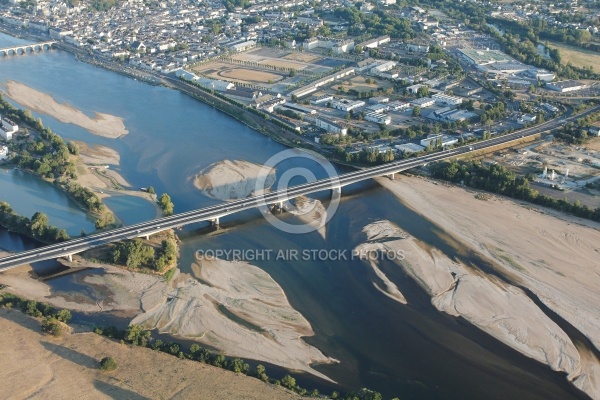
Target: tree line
x=138, y=336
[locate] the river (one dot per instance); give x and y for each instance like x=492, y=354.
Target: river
x=414, y=351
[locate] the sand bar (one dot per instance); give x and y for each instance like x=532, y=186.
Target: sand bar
x=101, y=124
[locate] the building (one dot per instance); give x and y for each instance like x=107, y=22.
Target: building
x=417, y=48
x=383, y=67
x=527, y=119
x=448, y=114
x=423, y=102
x=8, y=128
x=565, y=86
x=398, y=105
x=445, y=99
x=214, y=84
x=377, y=108
x=378, y=118
x=331, y=126
x=189, y=76
x=248, y=44
x=337, y=46
x=414, y=88
x=270, y=105
x=379, y=100
x=541, y=75
x=299, y=108
x=409, y=148
x=374, y=43
x=3, y=152
x=347, y=105
x=324, y=99
x=595, y=129
x=438, y=139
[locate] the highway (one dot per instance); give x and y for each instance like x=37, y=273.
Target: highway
x=217, y=211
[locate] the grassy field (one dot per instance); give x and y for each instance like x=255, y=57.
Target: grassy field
x=578, y=57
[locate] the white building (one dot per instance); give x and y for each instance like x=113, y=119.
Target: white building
x=338, y=46
x=186, y=75
x=378, y=118
x=374, y=43
x=3, y=152
x=214, y=84
x=378, y=108
x=347, y=105
x=565, y=86
x=398, y=105
x=379, y=99
x=8, y=128
x=435, y=139
x=243, y=46
x=445, y=99
x=331, y=126
x=386, y=66
x=422, y=102
x=321, y=99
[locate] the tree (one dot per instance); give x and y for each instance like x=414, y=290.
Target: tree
x=64, y=315
x=108, y=364
x=73, y=148
x=52, y=326
x=261, y=373
x=416, y=111
x=166, y=204
x=135, y=334
x=288, y=381
x=151, y=190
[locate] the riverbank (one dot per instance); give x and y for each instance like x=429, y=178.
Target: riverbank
x=553, y=255
x=49, y=367
x=234, y=307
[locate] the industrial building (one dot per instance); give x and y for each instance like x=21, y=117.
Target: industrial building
x=8, y=128
x=565, y=86
x=442, y=98
x=409, y=148
x=347, y=105
x=435, y=139
x=378, y=118
x=331, y=126
x=422, y=102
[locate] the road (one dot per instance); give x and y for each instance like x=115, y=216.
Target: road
x=218, y=211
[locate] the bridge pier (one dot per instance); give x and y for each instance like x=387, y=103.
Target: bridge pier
x=215, y=222
x=70, y=257
x=392, y=175
x=337, y=190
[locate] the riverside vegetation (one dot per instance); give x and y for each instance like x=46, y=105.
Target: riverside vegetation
x=49, y=157
x=497, y=179
x=37, y=227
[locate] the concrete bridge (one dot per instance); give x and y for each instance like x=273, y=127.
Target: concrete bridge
x=27, y=48
x=215, y=213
